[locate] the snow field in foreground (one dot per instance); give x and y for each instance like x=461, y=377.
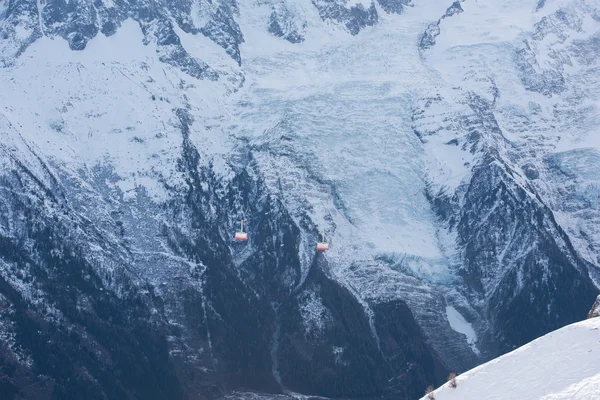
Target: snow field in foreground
x=564, y=364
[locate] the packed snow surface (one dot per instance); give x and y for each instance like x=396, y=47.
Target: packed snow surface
x=564, y=364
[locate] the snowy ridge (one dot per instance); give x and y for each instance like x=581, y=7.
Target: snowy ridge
x=563, y=364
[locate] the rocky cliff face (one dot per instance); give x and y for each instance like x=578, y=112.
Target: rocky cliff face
x=509, y=147
x=595, y=311
x=510, y=246
x=455, y=197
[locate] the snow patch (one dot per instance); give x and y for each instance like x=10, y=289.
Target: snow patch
x=21, y=32
x=460, y=325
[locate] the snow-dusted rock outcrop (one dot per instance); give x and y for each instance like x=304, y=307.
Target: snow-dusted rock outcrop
x=595, y=310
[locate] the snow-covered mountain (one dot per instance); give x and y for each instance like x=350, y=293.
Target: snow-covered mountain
x=560, y=365
x=447, y=150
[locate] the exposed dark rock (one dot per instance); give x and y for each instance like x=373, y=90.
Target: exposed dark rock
x=428, y=38
x=390, y=361
x=547, y=82
x=280, y=25
x=540, y=5
x=108, y=28
x=539, y=271
x=74, y=21
x=354, y=18
x=517, y=264
x=210, y=328
x=78, y=22
x=433, y=30
x=394, y=6
x=81, y=340
x=224, y=31
x=531, y=171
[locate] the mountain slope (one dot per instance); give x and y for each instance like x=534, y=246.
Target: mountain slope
x=499, y=123
x=559, y=365
x=454, y=194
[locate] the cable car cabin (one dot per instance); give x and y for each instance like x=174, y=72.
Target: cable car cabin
x=322, y=246
x=241, y=236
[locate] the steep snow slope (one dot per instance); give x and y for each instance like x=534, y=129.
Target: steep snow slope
x=561, y=365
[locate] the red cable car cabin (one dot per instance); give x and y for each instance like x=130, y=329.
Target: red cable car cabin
x=323, y=245
x=241, y=236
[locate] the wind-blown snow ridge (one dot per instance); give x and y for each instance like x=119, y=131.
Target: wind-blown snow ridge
x=563, y=364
